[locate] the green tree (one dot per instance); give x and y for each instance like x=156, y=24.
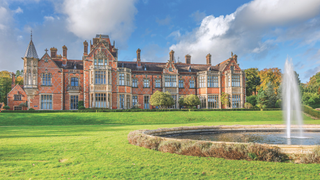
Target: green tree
x=181, y=101
x=252, y=100
x=5, y=85
x=252, y=80
x=191, y=100
x=225, y=99
x=272, y=96
x=161, y=99
x=311, y=99
x=262, y=99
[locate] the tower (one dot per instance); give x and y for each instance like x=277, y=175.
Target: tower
x=30, y=69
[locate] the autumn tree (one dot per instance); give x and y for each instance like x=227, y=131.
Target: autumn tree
x=252, y=80
x=272, y=75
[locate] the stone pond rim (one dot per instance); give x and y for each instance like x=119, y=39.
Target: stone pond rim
x=287, y=149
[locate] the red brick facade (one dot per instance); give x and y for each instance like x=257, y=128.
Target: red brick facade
x=55, y=82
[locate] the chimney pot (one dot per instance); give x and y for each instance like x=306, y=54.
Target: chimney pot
x=53, y=52
x=85, y=48
x=208, y=57
x=188, y=59
x=138, y=57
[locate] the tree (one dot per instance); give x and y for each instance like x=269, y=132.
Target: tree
x=272, y=97
x=181, y=101
x=252, y=100
x=191, y=100
x=272, y=75
x=19, y=80
x=225, y=99
x=262, y=99
x=252, y=80
x=314, y=84
x=5, y=85
x=161, y=99
x=311, y=99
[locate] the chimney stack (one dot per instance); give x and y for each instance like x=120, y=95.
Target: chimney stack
x=188, y=59
x=208, y=57
x=85, y=48
x=171, y=54
x=65, y=50
x=138, y=58
x=13, y=80
x=53, y=51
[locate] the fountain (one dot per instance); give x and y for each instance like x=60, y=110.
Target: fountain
x=291, y=100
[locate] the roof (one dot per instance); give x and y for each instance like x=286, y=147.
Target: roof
x=31, y=51
x=153, y=66
x=71, y=64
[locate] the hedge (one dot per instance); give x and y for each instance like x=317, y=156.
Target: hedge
x=135, y=110
x=311, y=111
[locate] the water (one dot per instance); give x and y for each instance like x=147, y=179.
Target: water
x=291, y=100
x=255, y=137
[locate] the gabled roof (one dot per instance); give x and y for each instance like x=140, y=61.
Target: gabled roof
x=71, y=64
x=31, y=51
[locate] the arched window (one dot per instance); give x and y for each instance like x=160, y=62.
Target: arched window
x=46, y=79
x=74, y=81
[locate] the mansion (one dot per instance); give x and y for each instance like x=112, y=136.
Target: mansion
x=54, y=82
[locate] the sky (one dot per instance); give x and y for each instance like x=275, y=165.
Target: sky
x=262, y=33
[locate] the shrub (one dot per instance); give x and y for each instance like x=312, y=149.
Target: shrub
x=248, y=105
x=313, y=157
x=207, y=149
x=81, y=108
x=252, y=100
x=6, y=107
x=191, y=100
x=31, y=109
x=278, y=104
x=80, y=103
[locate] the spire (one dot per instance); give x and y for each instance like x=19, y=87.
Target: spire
x=31, y=50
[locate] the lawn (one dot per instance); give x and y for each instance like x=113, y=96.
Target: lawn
x=96, y=151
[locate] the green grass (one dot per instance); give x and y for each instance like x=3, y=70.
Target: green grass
x=97, y=151
x=136, y=118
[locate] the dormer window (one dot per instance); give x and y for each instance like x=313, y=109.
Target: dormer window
x=145, y=67
x=189, y=68
x=170, y=69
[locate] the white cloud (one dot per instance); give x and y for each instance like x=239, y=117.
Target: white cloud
x=244, y=30
x=89, y=17
x=18, y=10
x=48, y=18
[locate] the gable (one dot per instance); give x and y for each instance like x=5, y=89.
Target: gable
x=170, y=68
x=47, y=62
x=100, y=51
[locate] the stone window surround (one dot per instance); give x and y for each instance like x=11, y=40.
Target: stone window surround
x=148, y=83
x=125, y=100
x=46, y=73
x=14, y=108
x=137, y=82
x=126, y=72
x=183, y=83
x=14, y=97
x=74, y=76
x=155, y=82
x=40, y=98
x=73, y=94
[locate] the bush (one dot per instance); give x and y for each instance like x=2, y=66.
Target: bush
x=311, y=111
x=31, y=109
x=80, y=103
x=278, y=104
x=206, y=149
x=313, y=157
x=252, y=100
x=248, y=105
x=81, y=108
x=6, y=107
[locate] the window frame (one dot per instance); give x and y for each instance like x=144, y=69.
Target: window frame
x=146, y=83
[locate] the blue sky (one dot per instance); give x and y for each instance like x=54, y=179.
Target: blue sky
x=262, y=33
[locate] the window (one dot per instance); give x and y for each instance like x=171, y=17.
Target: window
x=100, y=100
x=100, y=77
x=202, y=82
x=146, y=83
x=134, y=82
x=17, y=97
x=95, y=62
x=134, y=100
x=46, y=79
x=236, y=100
x=146, y=102
x=158, y=83
x=17, y=108
x=121, y=101
x=100, y=62
x=128, y=102
x=128, y=79
x=170, y=81
x=170, y=69
x=46, y=101
x=213, y=101
x=191, y=83
x=74, y=81
x=74, y=102
x=232, y=68
x=213, y=81
x=203, y=102
x=235, y=80
x=180, y=83
x=121, y=79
